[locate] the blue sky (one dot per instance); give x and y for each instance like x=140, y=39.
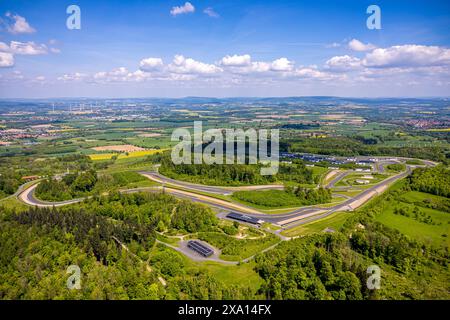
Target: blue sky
x=224, y=48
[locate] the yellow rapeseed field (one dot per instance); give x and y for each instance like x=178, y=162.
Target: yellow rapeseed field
x=134, y=154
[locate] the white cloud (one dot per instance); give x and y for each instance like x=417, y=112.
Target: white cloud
x=77, y=76
x=137, y=76
x=210, y=12
x=184, y=65
x=343, y=63
x=19, y=24
x=244, y=64
x=27, y=48
x=259, y=66
x=408, y=56
x=4, y=47
x=236, y=60
x=282, y=64
x=116, y=75
x=151, y=64
x=55, y=50
x=312, y=73
x=385, y=67
x=39, y=79
x=6, y=59
x=357, y=45
x=186, y=8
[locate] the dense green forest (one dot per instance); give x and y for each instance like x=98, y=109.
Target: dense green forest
x=81, y=184
x=69, y=186
x=9, y=182
x=12, y=169
x=434, y=180
x=37, y=246
x=234, y=175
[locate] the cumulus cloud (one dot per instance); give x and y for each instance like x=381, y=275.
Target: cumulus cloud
x=186, y=8
x=312, y=72
x=151, y=64
x=401, y=64
x=7, y=52
x=236, y=60
x=18, y=24
x=259, y=66
x=244, y=64
x=357, y=45
x=210, y=12
x=184, y=65
x=6, y=60
x=343, y=63
x=282, y=64
x=118, y=75
x=27, y=48
x=408, y=56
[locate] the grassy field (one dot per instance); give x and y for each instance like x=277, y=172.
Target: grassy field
x=267, y=199
x=334, y=221
x=242, y=274
x=319, y=172
x=350, y=180
x=237, y=249
x=437, y=233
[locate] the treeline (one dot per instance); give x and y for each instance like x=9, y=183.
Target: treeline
x=234, y=175
x=310, y=196
x=416, y=214
x=290, y=196
x=297, y=172
x=9, y=182
x=313, y=268
x=68, y=187
x=217, y=174
x=87, y=183
x=396, y=167
x=435, y=180
x=268, y=198
x=159, y=209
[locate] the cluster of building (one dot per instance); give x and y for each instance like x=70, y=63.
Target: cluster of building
x=426, y=123
x=7, y=136
x=332, y=160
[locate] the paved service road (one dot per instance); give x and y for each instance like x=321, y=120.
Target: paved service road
x=338, y=177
